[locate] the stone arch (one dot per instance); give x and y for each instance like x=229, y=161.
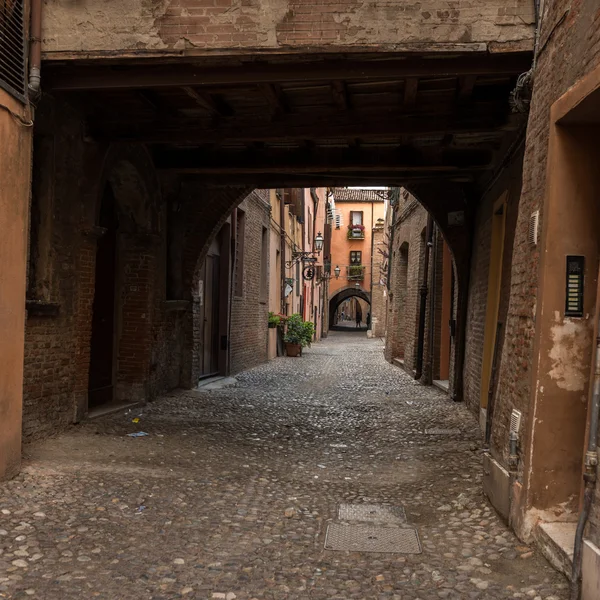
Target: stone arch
x=453, y=208
x=204, y=212
x=128, y=181
x=344, y=294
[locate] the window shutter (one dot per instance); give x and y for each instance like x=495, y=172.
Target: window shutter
x=12, y=48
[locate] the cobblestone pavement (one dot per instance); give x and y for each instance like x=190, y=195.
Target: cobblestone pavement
x=230, y=494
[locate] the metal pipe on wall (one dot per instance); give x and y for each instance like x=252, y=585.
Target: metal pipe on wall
x=423, y=302
x=35, y=50
x=432, y=299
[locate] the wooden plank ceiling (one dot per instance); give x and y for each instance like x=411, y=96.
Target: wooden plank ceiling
x=306, y=121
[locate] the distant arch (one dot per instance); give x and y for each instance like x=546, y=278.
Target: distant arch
x=344, y=294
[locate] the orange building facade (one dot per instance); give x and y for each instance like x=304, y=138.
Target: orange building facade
x=354, y=215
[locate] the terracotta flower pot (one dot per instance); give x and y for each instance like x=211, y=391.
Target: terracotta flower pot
x=293, y=349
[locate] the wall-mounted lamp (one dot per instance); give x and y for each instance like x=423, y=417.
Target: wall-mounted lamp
x=337, y=271
x=319, y=242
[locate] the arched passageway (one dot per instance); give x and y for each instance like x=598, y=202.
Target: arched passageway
x=340, y=297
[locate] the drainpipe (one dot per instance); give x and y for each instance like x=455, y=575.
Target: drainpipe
x=372, y=258
x=315, y=199
x=282, y=249
x=589, y=475
x=434, y=259
x=35, y=50
x=423, y=303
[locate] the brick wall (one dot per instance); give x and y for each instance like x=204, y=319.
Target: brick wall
x=187, y=25
x=406, y=277
x=379, y=293
x=155, y=332
x=569, y=49
x=249, y=312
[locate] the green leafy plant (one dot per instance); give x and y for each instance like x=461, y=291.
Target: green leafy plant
x=274, y=320
x=355, y=271
x=309, y=332
x=298, y=331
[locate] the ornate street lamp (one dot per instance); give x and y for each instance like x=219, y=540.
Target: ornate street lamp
x=319, y=242
x=337, y=271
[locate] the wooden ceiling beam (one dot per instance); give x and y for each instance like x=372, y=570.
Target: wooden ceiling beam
x=466, y=84
x=275, y=97
x=286, y=180
x=156, y=103
x=411, y=87
x=186, y=131
x=215, y=106
x=339, y=160
x=339, y=91
x=179, y=75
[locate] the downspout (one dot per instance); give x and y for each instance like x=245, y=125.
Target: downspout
x=282, y=250
x=423, y=302
x=589, y=475
x=35, y=50
x=434, y=256
x=315, y=200
x=372, y=258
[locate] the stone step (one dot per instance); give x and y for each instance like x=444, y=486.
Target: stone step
x=555, y=541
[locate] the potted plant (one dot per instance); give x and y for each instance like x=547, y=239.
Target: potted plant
x=274, y=320
x=356, y=232
x=297, y=335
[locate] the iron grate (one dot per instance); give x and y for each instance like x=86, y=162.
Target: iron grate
x=372, y=513
x=12, y=48
x=367, y=538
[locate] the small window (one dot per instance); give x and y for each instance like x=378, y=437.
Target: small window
x=239, y=252
x=356, y=217
x=355, y=257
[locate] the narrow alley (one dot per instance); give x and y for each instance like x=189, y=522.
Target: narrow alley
x=231, y=493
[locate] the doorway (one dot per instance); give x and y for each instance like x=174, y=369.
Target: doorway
x=210, y=359
x=445, y=316
x=493, y=301
x=101, y=382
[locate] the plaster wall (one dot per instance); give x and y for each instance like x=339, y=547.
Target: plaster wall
x=15, y=167
x=179, y=27
x=341, y=246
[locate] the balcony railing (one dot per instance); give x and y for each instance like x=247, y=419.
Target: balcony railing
x=356, y=234
x=355, y=272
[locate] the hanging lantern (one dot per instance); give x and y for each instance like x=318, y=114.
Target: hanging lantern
x=319, y=242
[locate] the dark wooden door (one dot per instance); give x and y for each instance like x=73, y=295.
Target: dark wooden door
x=211, y=316
x=101, y=374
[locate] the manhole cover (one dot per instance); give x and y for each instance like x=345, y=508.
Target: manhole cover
x=365, y=538
x=442, y=431
x=372, y=513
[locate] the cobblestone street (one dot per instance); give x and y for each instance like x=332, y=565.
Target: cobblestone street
x=230, y=494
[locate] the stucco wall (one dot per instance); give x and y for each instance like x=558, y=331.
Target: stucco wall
x=15, y=167
x=180, y=25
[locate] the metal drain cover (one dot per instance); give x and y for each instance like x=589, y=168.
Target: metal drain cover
x=372, y=513
x=365, y=538
x=436, y=431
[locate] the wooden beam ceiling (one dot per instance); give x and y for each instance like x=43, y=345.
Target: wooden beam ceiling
x=185, y=131
x=178, y=75
x=214, y=105
x=405, y=160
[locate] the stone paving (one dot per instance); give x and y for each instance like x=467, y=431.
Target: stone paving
x=230, y=494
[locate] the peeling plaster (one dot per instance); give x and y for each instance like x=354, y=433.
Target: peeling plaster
x=89, y=25
x=110, y=26
x=570, y=344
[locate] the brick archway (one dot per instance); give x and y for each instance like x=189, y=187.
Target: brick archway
x=128, y=174
x=344, y=294
x=452, y=209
